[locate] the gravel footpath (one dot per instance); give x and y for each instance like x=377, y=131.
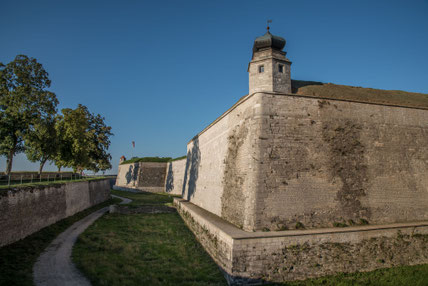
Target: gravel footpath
x=54, y=266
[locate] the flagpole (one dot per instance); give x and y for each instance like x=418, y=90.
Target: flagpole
x=133, y=147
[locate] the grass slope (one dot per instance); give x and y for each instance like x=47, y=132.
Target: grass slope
x=17, y=259
x=397, y=276
x=145, y=198
x=144, y=249
x=159, y=249
x=360, y=94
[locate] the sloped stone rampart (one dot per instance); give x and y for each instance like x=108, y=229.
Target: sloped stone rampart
x=26, y=210
x=145, y=176
x=282, y=161
x=220, y=175
x=326, y=162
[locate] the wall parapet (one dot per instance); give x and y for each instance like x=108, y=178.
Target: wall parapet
x=26, y=210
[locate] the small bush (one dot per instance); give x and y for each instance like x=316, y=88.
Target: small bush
x=300, y=225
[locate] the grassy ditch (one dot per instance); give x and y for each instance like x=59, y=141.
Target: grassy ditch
x=17, y=259
x=145, y=198
x=158, y=249
x=144, y=249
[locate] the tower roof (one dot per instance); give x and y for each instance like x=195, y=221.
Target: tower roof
x=269, y=41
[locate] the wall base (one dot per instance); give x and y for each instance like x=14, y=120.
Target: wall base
x=254, y=258
x=139, y=189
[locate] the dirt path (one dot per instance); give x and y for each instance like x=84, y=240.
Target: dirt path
x=54, y=266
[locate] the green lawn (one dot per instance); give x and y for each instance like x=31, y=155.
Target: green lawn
x=397, y=276
x=17, y=259
x=144, y=249
x=147, y=249
x=145, y=198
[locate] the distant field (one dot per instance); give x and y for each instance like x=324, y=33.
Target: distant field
x=368, y=95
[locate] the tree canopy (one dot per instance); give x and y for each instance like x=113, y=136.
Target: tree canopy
x=84, y=139
x=24, y=102
x=29, y=122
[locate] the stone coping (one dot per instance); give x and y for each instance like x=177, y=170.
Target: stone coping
x=246, y=97
x=236, y=233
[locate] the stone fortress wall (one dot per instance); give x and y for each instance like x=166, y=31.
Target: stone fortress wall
x=330, y=161
x=275, y=161
x=270, y=184
x=217, y=157
x=273, y=182
x=175, y=176
x=25, y=210
x=145, y=176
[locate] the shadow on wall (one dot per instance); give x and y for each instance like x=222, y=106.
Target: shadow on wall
x=169, y=185
x=192, y=170
x=132, y=174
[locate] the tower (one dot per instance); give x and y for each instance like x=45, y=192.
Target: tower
x=269, y=69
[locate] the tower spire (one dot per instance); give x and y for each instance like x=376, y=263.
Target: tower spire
x=269, y=69
x=268, y=21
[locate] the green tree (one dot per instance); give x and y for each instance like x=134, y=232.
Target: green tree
x=41, y=143
x=24, y=101
x=100, y=142
x=83, y=140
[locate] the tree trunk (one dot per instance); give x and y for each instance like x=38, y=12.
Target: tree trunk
x=59, y=169
x=42, y=163
x=9, y=161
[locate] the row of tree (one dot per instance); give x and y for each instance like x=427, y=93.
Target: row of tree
x=29, y=122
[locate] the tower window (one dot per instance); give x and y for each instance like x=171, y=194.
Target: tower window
x=281, y=68
x=261, y=69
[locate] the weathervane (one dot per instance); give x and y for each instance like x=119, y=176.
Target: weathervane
x=268, y=21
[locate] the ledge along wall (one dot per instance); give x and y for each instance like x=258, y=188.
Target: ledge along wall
x=16, y=176
x=175, y=176
x=145, y=176
x=25, y=210
x=277, y=161
x=252, y=258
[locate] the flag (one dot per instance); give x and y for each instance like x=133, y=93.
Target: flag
x=133, y=144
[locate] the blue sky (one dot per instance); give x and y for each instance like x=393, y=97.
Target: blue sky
x=160, y=71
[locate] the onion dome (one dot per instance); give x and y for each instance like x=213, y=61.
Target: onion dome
x=269, y=41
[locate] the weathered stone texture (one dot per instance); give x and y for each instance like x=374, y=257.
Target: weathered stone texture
x=152, y=174
x=219, y=173
x=271, y=79
x=278, y=161
x=259, y=257
x=327, y=161
x=215, y=242
x=146, y=176
x=175, y=176
x=26, y=210
x=296, y=258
